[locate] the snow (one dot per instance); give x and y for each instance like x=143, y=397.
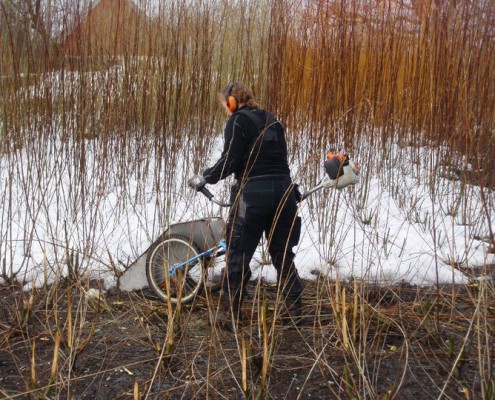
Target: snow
x=390, y=228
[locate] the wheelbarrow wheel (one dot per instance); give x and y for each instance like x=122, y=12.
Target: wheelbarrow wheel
x=188, y=279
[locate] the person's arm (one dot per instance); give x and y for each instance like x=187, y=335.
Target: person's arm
x=232, y=156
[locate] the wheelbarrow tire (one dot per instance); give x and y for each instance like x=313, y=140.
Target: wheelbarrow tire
x=188, y=280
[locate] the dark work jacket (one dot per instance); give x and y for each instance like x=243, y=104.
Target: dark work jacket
x=247, y=152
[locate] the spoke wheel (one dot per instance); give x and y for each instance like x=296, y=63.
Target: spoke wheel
x=187, y=281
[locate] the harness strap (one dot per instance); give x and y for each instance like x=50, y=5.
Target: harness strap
x=265, y=128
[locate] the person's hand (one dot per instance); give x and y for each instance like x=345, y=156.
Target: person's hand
x=197, y=182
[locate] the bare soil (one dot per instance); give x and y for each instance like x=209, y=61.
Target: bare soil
x=407, y=345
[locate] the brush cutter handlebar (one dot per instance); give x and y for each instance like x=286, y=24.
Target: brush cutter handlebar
x=210, y=197
x=198, y=183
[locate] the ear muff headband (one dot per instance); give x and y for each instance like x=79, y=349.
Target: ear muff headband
x=230, y=100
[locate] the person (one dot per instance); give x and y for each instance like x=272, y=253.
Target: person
x=263, y=199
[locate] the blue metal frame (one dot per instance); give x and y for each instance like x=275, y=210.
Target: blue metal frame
x=219, y=250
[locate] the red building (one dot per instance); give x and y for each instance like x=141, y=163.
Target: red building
x=109, y=27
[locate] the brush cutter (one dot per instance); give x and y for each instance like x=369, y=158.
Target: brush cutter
x=340, y=173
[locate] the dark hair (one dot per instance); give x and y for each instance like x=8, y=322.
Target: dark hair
x=242, y=93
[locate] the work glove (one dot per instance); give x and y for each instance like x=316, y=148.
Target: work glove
x=197, y=182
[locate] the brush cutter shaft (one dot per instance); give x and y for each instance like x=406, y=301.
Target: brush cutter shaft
x=348, y=174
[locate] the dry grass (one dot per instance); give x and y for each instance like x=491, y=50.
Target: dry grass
x=359, y=341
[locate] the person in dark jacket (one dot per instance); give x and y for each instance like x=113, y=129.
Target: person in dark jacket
x=263, y=198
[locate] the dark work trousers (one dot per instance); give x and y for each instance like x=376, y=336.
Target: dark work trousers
x=263, y=205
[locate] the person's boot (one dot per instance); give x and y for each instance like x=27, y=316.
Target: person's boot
x=294, y=312
x=230, y=316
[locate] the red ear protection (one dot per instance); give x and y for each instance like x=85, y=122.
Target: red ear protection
x=231, y=100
